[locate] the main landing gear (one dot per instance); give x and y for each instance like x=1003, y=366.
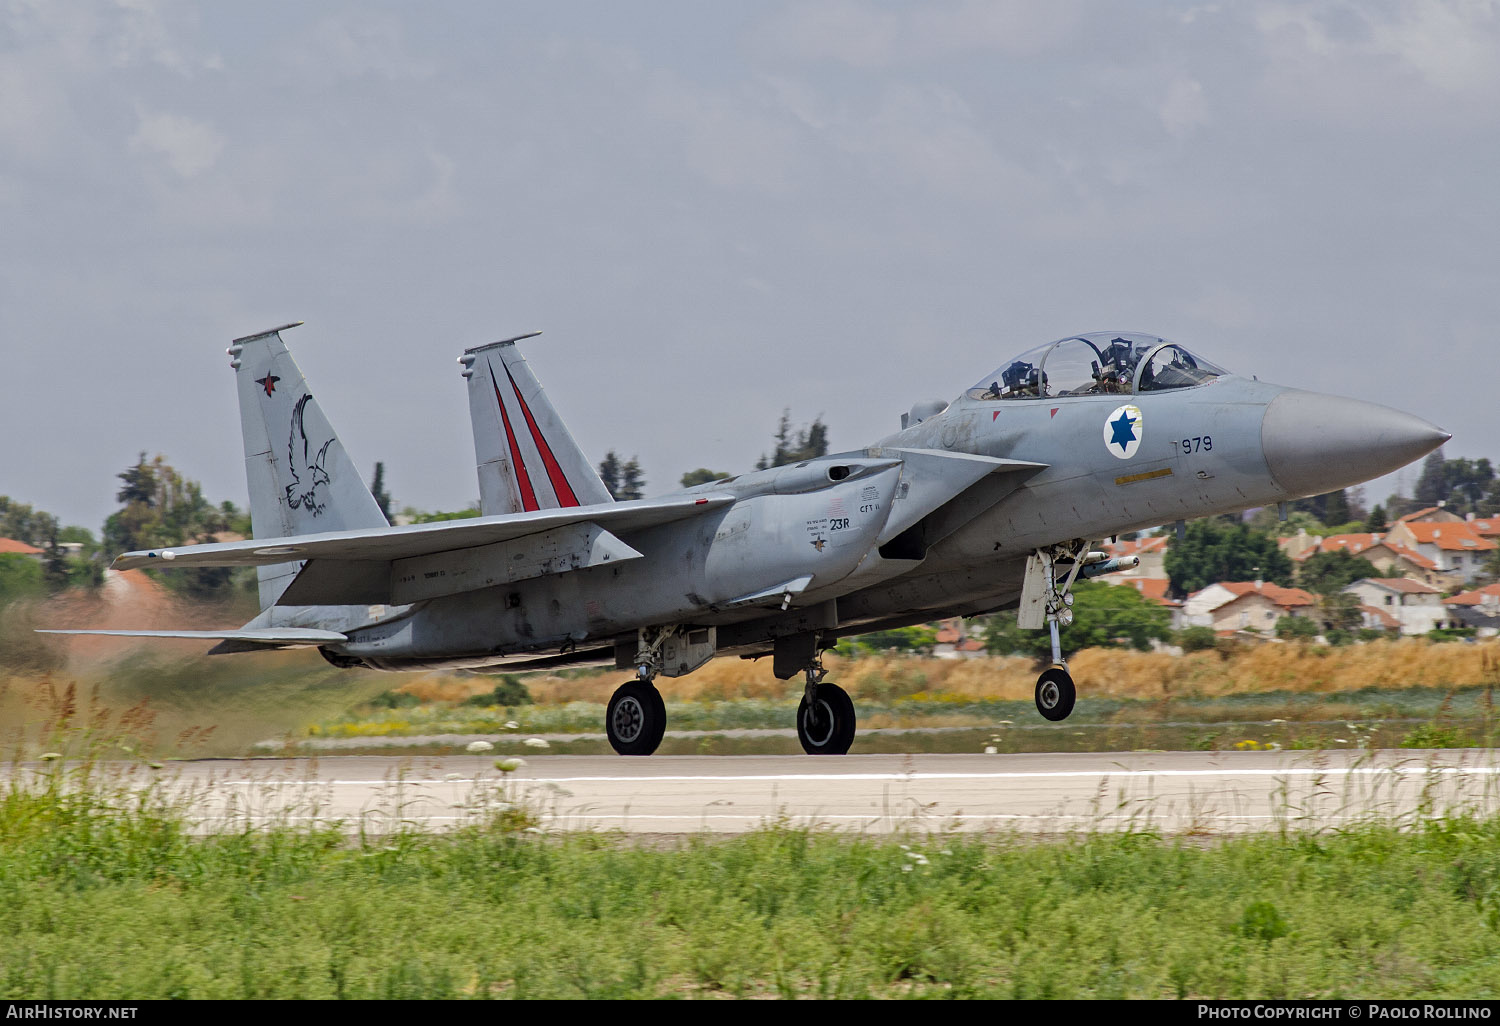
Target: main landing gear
x=636, y=718
x=825, y=717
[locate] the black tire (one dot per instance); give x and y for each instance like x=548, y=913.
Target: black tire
x=636, y=719
x=825, y=726
x=1055, y=693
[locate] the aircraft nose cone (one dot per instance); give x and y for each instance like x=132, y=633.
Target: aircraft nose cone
x=1315, y=443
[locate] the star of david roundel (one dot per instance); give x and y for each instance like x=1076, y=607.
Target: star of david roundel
x=1122, y=432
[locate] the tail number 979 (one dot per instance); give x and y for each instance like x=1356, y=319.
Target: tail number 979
x=1202, y=443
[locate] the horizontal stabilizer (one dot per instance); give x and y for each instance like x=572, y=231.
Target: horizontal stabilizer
x=280, y=637
x=380, y=544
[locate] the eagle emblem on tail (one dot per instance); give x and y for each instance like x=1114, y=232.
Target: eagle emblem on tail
x=302, y=467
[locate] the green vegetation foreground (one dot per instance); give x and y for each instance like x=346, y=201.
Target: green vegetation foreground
x=101, y=897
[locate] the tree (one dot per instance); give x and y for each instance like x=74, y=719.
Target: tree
x=806, y=443
x=1330, y=572
x=25, y=524
x=622, y=480
x=1376, y=521
x=609, y=473
x=1212, y=550
x=905, y=639
x=702, y=476
x=1330, y=508
x=161, y=508
x=632, y=481
x=1338, y=610
x=1293, y=628
x=382, y=497
x=1104, y=615
x=1432, y=485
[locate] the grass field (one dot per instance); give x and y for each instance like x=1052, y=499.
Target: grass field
x=173, y=701
x=103, y=895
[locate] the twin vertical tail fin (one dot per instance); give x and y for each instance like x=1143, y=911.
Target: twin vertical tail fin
x=300, y=478
x=526, y=456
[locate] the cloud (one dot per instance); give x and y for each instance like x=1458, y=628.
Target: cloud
x=864, y=36
x=1184, y=109
x=139, y=34
x=1450, y=45
x=188, y=146
x=354, y=48
x=732, y=140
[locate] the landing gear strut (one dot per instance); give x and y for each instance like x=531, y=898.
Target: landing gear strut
x=1047, y=600
x=825, y=717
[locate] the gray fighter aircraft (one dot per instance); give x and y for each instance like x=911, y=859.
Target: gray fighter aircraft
x=995, y=500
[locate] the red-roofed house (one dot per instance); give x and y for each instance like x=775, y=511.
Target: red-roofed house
x=1485, y=527
x=1391, y=558
x=11, y=547
x=1244, y=605
x=1488, y=596
x=1430, y=515
x=1479, y=608
x=953, y=641
x=1419, y=607
x=1452, y=545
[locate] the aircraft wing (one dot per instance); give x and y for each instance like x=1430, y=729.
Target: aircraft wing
x=383, y=544
x=277, y=637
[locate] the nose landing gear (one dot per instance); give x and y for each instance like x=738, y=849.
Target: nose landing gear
x=1055, y=693
x=1047, y=601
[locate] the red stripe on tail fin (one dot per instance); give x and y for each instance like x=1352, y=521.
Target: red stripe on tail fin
x=560, y=486
x=528, y=494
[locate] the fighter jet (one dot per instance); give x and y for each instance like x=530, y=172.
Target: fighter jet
x=996, y=500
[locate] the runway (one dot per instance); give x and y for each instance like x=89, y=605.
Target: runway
x=1171, y=792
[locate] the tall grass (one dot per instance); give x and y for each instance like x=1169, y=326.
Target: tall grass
x=109, y=893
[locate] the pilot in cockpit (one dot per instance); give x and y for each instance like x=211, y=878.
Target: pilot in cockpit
x=1119, y=367
x=1021, y=378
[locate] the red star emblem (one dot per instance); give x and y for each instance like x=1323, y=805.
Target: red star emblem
x=268, y=382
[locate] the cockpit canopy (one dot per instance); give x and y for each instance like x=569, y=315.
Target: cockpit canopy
x=1102, y=363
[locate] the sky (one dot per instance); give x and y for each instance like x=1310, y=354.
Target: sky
x=719, y=211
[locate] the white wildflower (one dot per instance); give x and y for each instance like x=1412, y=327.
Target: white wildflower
x=537, y=742
x=509, y=765
x=906, y=868
x=49, y=756
x=479, y=747
x=512, y=725
x=990, y=749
